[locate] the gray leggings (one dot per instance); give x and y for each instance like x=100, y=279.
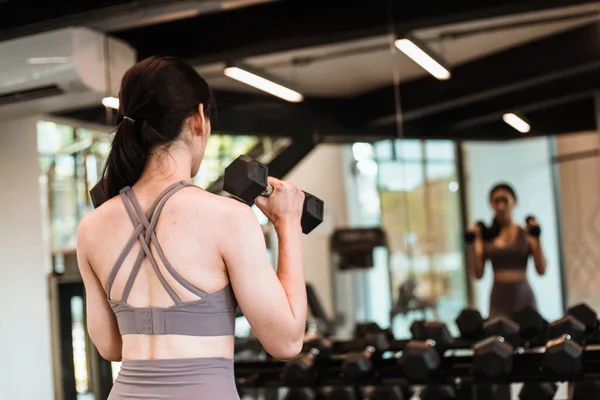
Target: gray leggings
x=176, y=379
x=510, y=297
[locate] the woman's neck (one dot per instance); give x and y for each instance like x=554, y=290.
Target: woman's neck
x=166, y=168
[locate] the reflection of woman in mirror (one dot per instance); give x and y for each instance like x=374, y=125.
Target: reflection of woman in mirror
x=508, y=246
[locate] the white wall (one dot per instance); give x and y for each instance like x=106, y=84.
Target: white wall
x=26, y=367
x=525, y=164
x=321, y=174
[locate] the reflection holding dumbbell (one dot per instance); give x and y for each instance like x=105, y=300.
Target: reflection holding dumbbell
x=508, y=247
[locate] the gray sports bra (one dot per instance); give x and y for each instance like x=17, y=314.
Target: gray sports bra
x=511, y=257
x=211, y=315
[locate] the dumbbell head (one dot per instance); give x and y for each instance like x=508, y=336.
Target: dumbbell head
x=312, y=212
x=492, y=358
x=419, y=359
x=503, y=327
x=339, y=393
x=568, y=325
x=245, y=178
x=98, y=193
x=300, y=393
x=470, y=324
x=358, y=365
x=438, y=393
x=385, y=393
x=299, y=369
x=586, y=315
x=562, y=358
x=533, y=329
x=538, y=391
x=323, y=345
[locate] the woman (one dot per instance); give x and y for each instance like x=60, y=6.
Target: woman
x=508, y=246
x=165, y=263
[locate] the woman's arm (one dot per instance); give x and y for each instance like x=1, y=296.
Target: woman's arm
x=274, y=303
x=538, y=254
x=476, y=254
x=101, y=321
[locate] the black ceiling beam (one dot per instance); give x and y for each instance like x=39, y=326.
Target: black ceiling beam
x=255, y=114
x=286, y=25
x=544, y=95
x=570, y=117
x=551, y=59
x=20, y=18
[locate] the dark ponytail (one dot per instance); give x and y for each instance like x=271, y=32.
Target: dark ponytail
x=157, y=95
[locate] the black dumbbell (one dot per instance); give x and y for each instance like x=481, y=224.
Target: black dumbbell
x=98, y=193
x=469, y=236
x=300, y=393
x=339, y=393
x=385, y=392
x=299, y=370
x=359, y=365
x=421, y=358
x=533, y=328
x=470, y=324
x=538, y=391
x=492, y=358
x=586, y=390
x=246, y=179
x=504, y=327
x=533, y=230
x=568, y=325
x=586, y=315
x=444, y=392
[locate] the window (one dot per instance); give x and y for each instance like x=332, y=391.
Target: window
x=410, y=188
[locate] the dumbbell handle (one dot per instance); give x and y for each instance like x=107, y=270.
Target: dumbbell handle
x=268, y=191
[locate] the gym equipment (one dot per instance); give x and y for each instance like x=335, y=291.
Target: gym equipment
x=300, y=393
x=586, y=390
x=470, y=324
x=533, y=329
x=570, y=326
x=503, y=327
x=538, y=391
x=586, y=315
x=246, y=179
x=469, y=236
x=533, y=230
x=300, y=368
x=385, y=393
x=97, y=193
x=358, y=366
x=339, y=393
x=493, y=358
x=563, y=358
x=420, y=359
x=438, y=393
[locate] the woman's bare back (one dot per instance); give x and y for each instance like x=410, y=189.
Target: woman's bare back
x=190, y=229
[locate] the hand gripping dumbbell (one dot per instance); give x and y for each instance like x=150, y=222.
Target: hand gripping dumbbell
x=246, y=179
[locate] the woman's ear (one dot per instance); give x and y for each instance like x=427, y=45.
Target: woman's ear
x=198, y=122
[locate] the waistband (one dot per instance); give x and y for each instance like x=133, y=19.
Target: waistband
x=178, y=362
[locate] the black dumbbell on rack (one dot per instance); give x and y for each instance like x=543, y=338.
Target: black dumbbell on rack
x=246, y=179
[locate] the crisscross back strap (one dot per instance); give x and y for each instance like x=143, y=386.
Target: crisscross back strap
x=145, y=224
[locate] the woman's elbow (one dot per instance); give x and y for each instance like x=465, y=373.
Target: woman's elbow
x=112, y=355
x=285, y=350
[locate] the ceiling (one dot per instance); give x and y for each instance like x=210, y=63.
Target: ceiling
x=539, y=57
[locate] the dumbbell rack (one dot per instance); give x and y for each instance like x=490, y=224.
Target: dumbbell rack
x=455, y=370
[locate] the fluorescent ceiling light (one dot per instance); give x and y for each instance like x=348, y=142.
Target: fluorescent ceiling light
x=251, y=79
x=516, y=122
x=422, y=58
x=48, y=60
x=111, y=102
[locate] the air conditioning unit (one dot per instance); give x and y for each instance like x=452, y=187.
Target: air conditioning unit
x=60, y=70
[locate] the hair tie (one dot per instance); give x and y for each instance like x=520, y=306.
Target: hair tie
x=129, y=119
